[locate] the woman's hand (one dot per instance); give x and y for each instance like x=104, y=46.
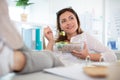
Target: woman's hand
x=48, y=34
x=81, y=54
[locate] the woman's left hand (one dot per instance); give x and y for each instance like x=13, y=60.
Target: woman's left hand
x=81, y=54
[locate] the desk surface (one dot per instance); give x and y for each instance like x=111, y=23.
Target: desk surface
x=38, y=76
x=33, y=76
x=73, y=72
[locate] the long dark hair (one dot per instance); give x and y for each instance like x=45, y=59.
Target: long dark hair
x=61, y=37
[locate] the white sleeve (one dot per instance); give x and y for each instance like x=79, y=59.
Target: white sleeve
x=95, y=45
x=6, y=59
x=8, y=32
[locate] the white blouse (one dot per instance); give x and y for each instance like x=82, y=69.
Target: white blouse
x=96, y=46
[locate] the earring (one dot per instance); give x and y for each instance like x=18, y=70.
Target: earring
x=62, y=33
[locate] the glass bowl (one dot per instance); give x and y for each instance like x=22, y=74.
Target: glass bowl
x=69, y=47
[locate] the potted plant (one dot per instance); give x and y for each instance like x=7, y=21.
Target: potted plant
x=23, y=4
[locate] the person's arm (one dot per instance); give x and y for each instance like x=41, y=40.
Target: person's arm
x=41, y=59
x=8, y=32
x=50, y=45
x=19, y=61
x=49, y=35
x=83, y=54
x=100, y=50
x=95, y=57
x=10, y=35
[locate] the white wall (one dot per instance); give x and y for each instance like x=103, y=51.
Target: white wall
x=112, y=18
x=39, y=12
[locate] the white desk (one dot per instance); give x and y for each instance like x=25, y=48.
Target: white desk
x=74, y=72
x=33, y=76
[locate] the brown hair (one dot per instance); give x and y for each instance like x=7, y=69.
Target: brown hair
x=61, y=37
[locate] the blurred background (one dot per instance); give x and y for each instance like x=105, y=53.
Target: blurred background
x=100, y=18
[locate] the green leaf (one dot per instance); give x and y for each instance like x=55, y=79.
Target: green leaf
x=23, y=3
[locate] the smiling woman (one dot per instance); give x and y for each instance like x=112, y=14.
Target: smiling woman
x=68, y=21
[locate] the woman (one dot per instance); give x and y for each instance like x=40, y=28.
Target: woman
x=14, y=56
x=68, y=21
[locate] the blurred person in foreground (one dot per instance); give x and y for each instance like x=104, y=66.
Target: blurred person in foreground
x=14, y=55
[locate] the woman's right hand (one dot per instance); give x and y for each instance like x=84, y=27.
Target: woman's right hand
x=48, y=34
